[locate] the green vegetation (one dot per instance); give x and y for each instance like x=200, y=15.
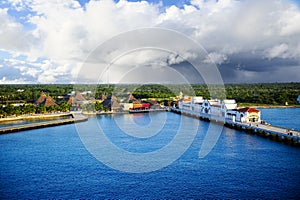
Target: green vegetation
x=11, y=110
x=245, y=94
x=268, y=93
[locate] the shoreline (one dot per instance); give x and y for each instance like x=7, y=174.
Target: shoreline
x=34, y=116
x=55, y=115
x=268, y=106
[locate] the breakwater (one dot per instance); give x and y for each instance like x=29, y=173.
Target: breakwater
x=74, y=118
x=280, y=134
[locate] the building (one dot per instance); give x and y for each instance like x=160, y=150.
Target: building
x=126, y=106
x=206, y=107
x=112, y=103
x=45, y=100
x=298, y=99
x=196, y=103
x=76, y=100
x=191, y=103
x=141, y=106
x=212, y=107
x=227, y=109
x=248, y=115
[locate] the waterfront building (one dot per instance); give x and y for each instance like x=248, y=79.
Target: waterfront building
x=248, y=115
x=196, y=104
x=298, y=99
x=226, y=108
x=212, y=107
x=206, y=107
x=141, y=106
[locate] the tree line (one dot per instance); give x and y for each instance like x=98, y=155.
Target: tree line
x=263, y=93
x=11, y=110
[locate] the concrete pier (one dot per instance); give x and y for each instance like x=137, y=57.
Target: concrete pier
x=54, y=122
x=280, y=134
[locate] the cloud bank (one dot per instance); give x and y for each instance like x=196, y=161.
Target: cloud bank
x=46, y=41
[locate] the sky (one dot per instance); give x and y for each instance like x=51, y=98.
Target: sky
x=57, y=41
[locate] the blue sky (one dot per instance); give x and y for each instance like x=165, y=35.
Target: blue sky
x=43, y=41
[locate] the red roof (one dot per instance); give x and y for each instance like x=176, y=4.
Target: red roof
x=249, y=110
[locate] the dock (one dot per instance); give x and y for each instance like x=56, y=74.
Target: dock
x=75, y=118
x=280, y=134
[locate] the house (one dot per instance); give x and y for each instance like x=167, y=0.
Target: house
x=298, y=99
x=76, y=100
x=112, y=103
x=45, y=100
x=248, y=115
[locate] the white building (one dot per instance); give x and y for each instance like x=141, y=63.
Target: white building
x=206, y=107
x=197, y=100
x=184, y=105
x=248, y=115
x=226, y=109
x=196, y=104
x=229, y=104
x=229, y=107
x=192, y=104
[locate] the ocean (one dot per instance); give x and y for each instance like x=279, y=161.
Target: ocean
x=149, y=156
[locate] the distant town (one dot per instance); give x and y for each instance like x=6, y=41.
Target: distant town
x=18, y=100
x=74, y=104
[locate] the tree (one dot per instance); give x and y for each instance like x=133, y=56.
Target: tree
x=64, y=106
x=41, y=109
x=98, y=106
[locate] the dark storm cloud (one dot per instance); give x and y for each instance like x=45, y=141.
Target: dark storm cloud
x=239, y=65
x=257, y=63
x=249, y=68
x=189, y=72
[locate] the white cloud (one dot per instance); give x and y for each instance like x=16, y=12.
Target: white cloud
x=216, y=58
x=278, y=51
x=12, y=35
x=64, y=33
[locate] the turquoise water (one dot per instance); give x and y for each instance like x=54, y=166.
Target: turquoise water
x=54, y=163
